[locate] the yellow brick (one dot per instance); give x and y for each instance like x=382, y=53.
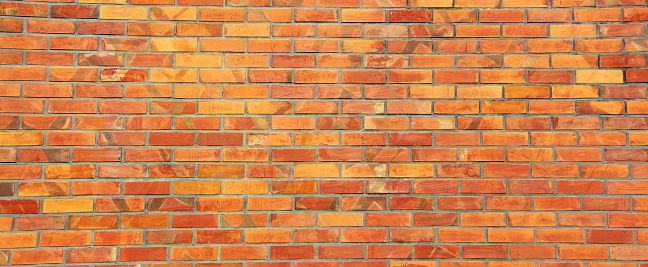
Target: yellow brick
x=339, y=219
x=67, y=205
x=21, y=139
x=174, y=75
x=174, y=45
x=599, y=76
x=122, y=12
x=173, y=13
x=198, y=61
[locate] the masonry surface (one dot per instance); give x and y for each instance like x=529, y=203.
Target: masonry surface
x=324, y=133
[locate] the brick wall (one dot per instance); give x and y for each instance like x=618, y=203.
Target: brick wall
x=324, y=133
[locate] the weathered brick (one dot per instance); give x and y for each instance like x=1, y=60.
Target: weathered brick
x=318, y=119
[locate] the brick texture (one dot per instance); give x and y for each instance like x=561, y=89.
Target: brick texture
x=324, y=133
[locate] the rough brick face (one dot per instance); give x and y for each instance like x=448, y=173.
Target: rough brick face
x=324, y=133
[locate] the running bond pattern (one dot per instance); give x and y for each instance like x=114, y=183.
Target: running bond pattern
x=324, y=133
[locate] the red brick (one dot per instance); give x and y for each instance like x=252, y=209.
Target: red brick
x=142, y=254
